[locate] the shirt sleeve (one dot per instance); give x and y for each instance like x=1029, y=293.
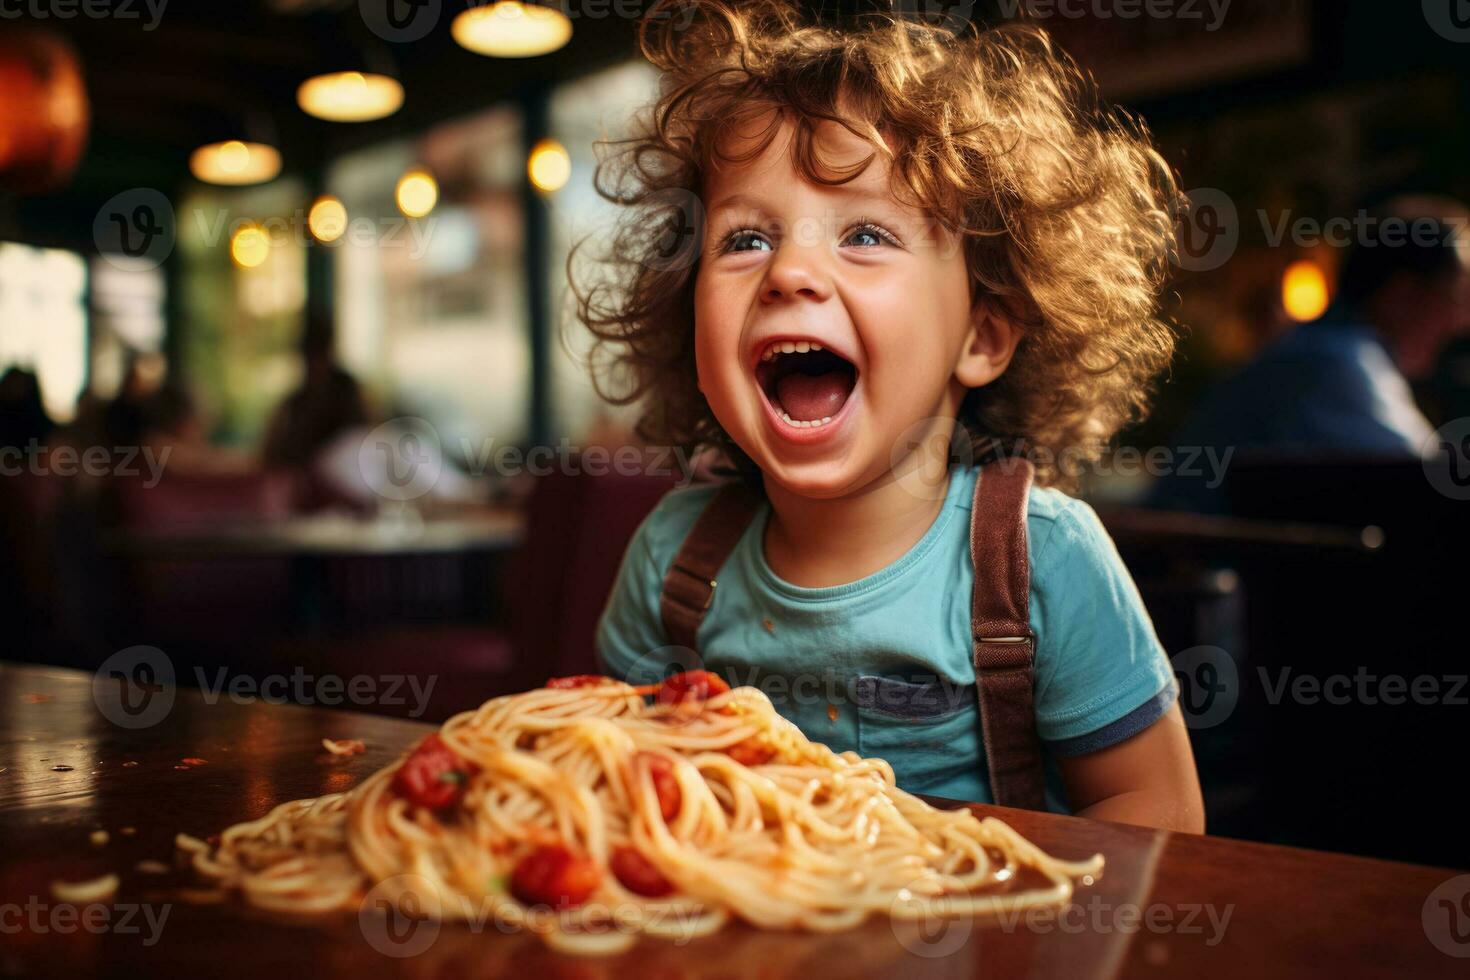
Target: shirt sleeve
x=1102, y=675
x=631, y=643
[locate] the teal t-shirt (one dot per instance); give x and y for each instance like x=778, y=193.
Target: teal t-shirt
x=882, y=665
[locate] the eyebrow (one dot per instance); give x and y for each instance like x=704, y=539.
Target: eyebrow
x=846, y=190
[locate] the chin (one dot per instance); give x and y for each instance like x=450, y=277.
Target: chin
x=816, y=479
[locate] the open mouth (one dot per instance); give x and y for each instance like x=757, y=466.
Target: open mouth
x=805, y=383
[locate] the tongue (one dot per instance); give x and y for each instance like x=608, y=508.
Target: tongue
x=806, y=397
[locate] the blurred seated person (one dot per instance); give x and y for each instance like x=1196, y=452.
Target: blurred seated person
x=322, y=430
x=327, y=403
x=174, y=434
x=23, y=417
x=1339, y=386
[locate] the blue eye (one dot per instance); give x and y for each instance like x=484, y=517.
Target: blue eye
x=878, y=235
x=735, y=237
x=872, y=230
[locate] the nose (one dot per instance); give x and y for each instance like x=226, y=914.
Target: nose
x=795, y=270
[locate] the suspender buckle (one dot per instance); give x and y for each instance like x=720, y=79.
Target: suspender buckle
x=1005, y=652
x=703, y=585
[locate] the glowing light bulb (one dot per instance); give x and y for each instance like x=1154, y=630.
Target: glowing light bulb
x=417, y=193
x=511, y=29
x=235, y=162
x=549, y=166
x=327, y=219
x=249, y=246
x=1304, y=292
x=350, y=96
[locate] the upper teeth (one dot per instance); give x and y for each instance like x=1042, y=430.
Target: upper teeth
x=788, y=347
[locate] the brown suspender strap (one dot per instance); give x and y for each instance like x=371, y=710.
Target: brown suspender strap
x=1005, y=647
x=689, y=585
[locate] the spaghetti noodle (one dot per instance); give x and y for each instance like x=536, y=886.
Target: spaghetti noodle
x=589, y=815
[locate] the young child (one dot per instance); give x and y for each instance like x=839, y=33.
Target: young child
x=847, y=253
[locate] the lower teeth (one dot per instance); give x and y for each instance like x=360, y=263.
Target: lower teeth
x=805, y=423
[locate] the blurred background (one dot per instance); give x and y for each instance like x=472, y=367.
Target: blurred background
x=289, y=379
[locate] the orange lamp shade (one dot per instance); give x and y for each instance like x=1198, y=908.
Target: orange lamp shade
x=44, y=114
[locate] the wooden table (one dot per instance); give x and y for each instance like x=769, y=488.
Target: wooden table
x=327, y=535
x=1168, y=905
x=312, y=543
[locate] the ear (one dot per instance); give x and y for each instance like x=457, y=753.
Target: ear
x=990, y=343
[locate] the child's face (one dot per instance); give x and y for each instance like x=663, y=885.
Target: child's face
x=893, y=320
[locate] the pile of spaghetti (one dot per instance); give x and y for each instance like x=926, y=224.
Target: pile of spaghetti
x=591, y=811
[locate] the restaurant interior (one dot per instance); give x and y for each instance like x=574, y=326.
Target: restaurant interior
x=258, y=257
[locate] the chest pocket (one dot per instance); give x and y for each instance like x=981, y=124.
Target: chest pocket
x=929, y=732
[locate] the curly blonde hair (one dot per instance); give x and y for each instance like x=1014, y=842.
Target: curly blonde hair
x=1067, y=212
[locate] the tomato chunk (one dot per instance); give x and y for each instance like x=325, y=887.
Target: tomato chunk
x=556, y=877
x=692, y=685
x=751, y=752
x=665, y=784
x=576, y=680
x=638, y=874
x=433, y=776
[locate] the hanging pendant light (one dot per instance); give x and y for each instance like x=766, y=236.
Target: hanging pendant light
x=350, y=96
x=235, y=163
x=512, y=29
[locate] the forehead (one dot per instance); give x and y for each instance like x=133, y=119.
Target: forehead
x=837, y=151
